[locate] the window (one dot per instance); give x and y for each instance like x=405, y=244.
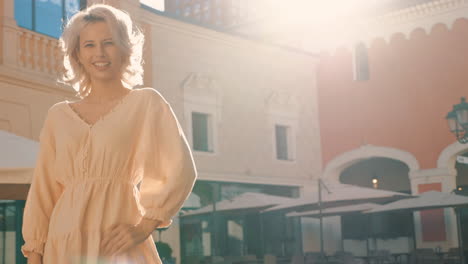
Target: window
x=201, y=132
x=196, y=8
x=361, y=63
x=187, y=11
x=206, y=15
x=46, y=16
x=202, y=112
x=284, y=146
x=234, y=11
x=206, y=5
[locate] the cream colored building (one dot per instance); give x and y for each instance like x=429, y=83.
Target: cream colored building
x=244, y=92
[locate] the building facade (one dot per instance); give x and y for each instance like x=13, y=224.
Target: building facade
x=216, y=13
x=248, y=109
x=384, y=91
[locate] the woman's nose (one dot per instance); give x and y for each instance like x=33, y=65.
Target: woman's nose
x=100, y=51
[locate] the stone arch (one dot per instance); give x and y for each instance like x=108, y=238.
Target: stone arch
x=338, y=164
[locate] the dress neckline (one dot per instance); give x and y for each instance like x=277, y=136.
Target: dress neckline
x=103, y=116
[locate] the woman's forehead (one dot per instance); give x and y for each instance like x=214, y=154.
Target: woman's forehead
x=95, y=31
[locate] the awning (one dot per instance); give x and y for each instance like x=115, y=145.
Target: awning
x=17, y=152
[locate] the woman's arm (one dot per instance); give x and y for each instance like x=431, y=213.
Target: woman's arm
x=43, y=192
x=169, y=169
x=168, y=175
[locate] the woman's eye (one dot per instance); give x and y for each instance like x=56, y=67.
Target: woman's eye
x=89, y=45
x=109, y=43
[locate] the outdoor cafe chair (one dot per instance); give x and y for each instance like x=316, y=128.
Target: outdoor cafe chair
x=424, y=256
x=298, y=259
x=380, y=257
x=315, y=258
x=452, y=256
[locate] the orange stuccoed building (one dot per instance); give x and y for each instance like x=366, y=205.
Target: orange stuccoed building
x=383, y=99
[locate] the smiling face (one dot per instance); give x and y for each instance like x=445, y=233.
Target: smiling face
x=99, y=54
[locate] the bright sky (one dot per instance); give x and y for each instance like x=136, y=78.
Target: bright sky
x=156, y=4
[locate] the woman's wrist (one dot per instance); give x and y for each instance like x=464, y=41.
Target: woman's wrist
x=149, y=225
x=34, y=258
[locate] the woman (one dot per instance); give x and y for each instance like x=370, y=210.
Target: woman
x=112, y=166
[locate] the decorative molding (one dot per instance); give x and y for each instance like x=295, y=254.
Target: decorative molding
x=448, y=156
x=19, y=117
x=220, y=37
x=203, y=90
x=437, y=172
x=282, y=102
x=423, y=10
x=405, y=21
x=201, y=87
x=253, y=179
x=424, y=16
x=202, y=94
x=334, y=168
x=282, y=107
x=444, y=176
x=16, y=175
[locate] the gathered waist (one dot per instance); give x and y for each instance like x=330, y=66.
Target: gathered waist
x=98, y=181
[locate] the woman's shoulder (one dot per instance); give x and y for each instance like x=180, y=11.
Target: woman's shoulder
x=149, y=91
x=152, y=94
x=56, y=108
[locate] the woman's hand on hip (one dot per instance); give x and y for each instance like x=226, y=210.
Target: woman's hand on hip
x=122, y=237
x=34, y=258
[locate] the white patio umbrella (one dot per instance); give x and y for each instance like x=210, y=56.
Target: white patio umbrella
x=334, y=211
x=244, y=202
x=337, y=211
x=426, y=201
x=192, y=202
x=337, y=194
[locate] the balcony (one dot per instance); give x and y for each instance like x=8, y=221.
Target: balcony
x=29, y=55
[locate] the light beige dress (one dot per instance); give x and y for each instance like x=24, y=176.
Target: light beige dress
x=133, y=162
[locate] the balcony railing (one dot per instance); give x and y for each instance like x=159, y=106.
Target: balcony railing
x=32, y=52
x=38, y=52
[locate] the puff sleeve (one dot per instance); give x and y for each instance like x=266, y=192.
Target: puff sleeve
x=43, y=193
x=169, y=171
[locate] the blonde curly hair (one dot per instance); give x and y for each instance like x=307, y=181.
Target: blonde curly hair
x=127, y=36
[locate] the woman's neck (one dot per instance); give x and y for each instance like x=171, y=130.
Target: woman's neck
x=106, y=91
